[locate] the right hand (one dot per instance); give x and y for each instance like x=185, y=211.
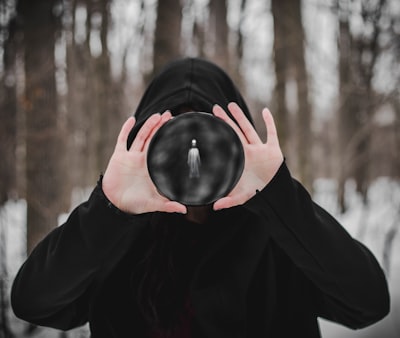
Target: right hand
x=126, y=182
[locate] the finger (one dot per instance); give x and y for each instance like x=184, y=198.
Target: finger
x=272, y=135
x=172, y=206
x=219, y=112
x=145, y=132
x=227, y=202
x=124, y=133
x=238, y=196
x=165, y=117
x=244, y=124
x=163, y=204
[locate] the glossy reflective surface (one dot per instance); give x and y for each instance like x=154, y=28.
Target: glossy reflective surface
x=195, y=159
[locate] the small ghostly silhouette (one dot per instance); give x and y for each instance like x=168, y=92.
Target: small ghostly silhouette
x=194, y=161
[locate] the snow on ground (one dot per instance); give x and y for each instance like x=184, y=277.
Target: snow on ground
x=370, y=223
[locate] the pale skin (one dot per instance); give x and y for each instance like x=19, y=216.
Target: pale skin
x=127, y=185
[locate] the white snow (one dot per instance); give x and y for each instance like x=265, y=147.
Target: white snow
x=370, y=224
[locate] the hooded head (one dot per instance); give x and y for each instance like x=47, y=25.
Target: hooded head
x=187, y=84
x=183, y=85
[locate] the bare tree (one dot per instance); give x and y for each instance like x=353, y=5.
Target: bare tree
x=281, y=64
x=358, y=55
x=218, y=33
x=41, y=115
x=93, y=114
x=345, y=116
x=240, y=38
x=236, y=56
x=303, y=127
x=167, y=40
x=77, y=120
x=199, y=33
x=8, y=116
x=8, y=143
x=108, y=120
x=290, y=66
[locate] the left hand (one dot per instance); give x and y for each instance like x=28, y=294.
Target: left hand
x=126, y=182
x=262, y=160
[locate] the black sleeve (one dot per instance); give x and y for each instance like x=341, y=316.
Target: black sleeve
x=350, y=283
x=53, y=286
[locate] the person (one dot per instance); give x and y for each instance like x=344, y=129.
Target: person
x=194, y=160
x=263, y=261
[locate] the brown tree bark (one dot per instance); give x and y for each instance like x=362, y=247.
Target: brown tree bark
x=289, y=60
x=218, y=32
x=167, y=37
x=304, y=115
x=357, y=98
x=8, y=117
x=96, y=105
x=240, y=37
x=76, y=81
x=345, y=115
x=108, y=121
x=281, y=65
x=40, y=106
x=367, y=45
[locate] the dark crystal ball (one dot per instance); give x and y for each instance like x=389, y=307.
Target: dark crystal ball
x=195, y=158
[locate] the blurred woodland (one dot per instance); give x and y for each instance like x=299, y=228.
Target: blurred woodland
x=72, y=71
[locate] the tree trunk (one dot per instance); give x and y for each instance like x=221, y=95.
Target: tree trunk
x=40, y=105
x=304, y=118
x=368, y=45
x=90, y=105
x=219, y=33
x=236, y=57
x=281, y=64
x=347, y=115
x=8, y=163
x=167, y=34
x=290, y=67
x=357, y=98
x=8, y=118
x=240, y=37
x=108, y=121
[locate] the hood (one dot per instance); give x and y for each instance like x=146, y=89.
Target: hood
x=189, y=83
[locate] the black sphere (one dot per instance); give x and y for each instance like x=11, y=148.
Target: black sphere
x=195, y=159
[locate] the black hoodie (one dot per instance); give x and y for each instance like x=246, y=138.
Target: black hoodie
x=189, y=83
x=269, y=268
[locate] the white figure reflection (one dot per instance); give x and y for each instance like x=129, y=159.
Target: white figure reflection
x=194, y=161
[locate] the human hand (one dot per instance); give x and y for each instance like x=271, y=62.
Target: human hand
x=262, y=160
x=126, y=182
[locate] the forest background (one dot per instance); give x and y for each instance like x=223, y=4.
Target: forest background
x=72, y=71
